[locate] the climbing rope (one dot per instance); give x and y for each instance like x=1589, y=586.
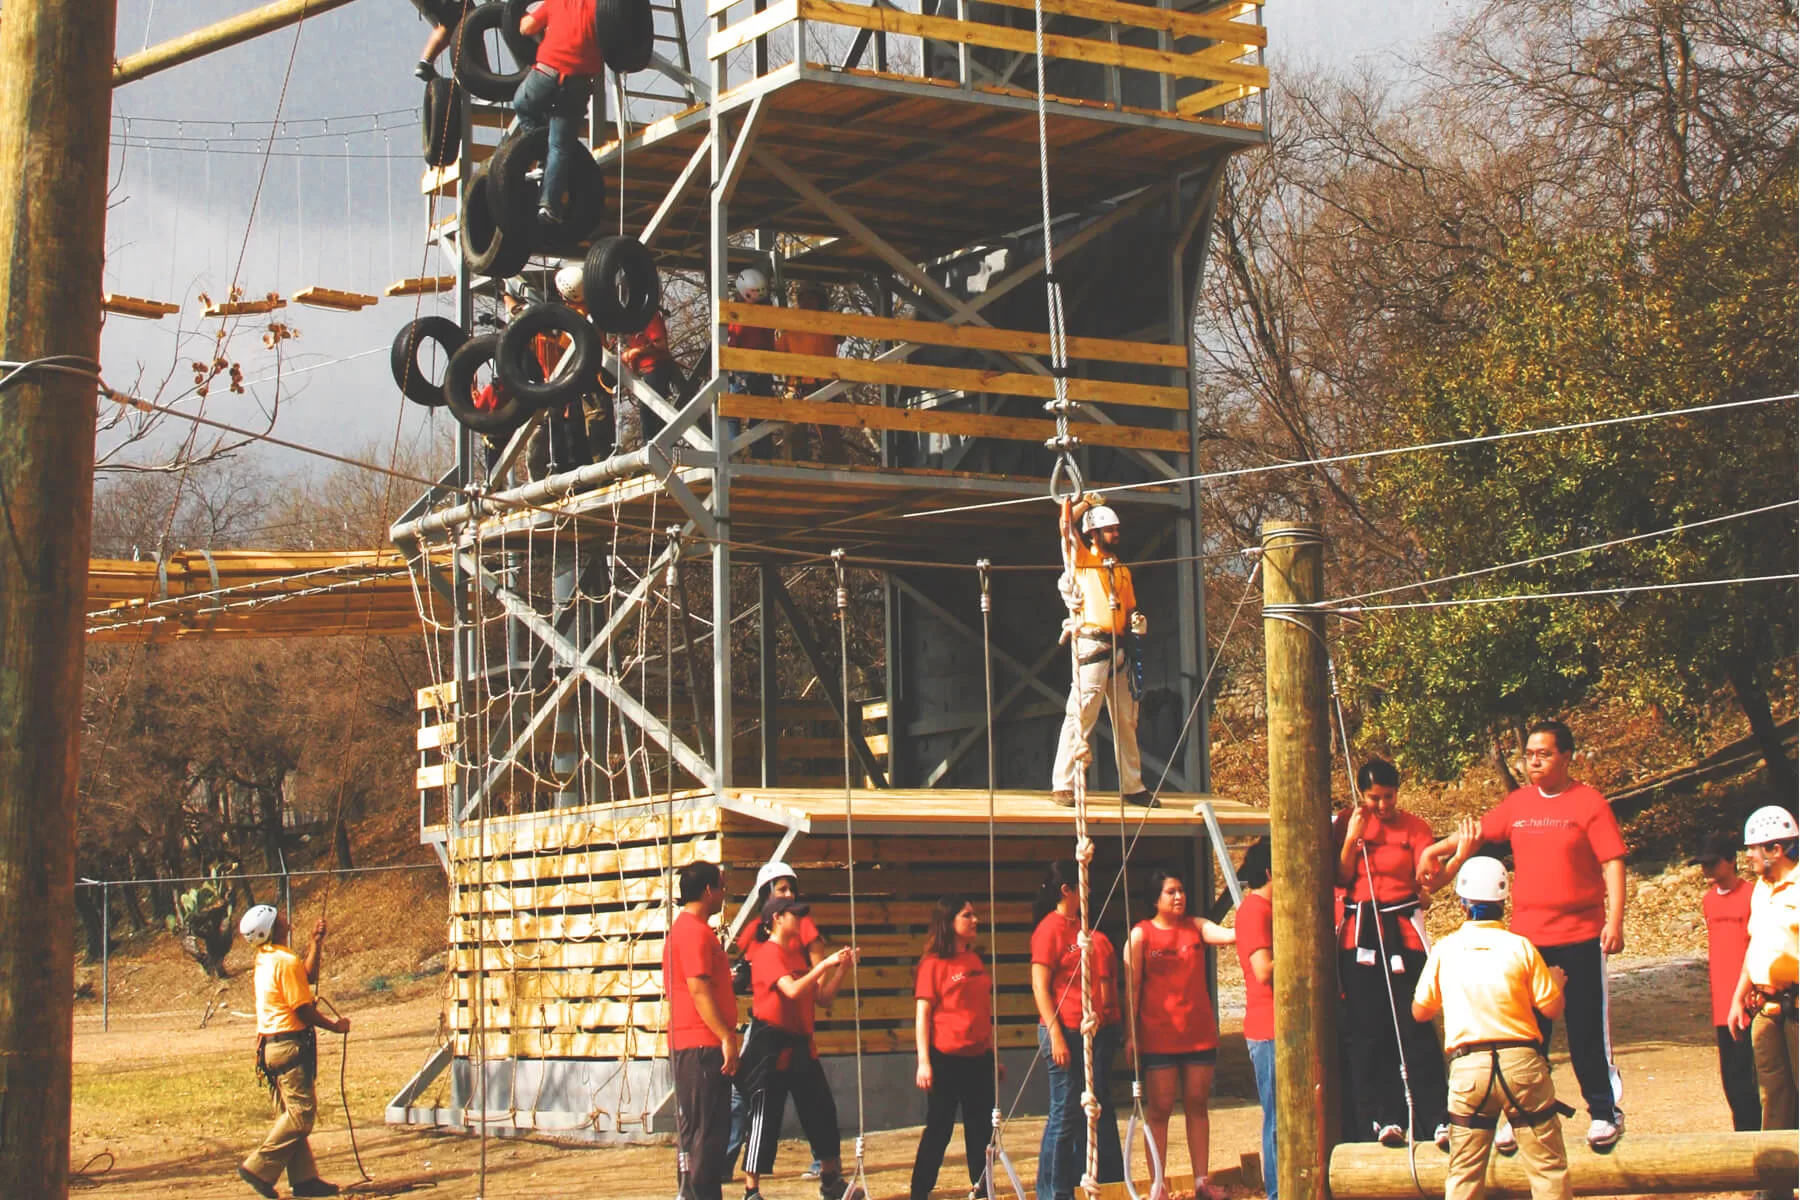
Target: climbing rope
x=859, y=1181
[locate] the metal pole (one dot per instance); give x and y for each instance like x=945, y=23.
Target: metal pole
x=105, y=957
x=55, y=101
x=1306, y=1105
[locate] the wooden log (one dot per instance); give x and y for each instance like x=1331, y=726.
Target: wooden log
x=922, y=420
x=218, y=36
x=1300, y=822
x=1641, y=1163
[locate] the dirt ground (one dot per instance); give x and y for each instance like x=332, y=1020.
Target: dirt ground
x=175, y=1106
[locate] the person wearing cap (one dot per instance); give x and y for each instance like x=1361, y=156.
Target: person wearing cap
x=1102, y=612
x=1492, y=988
x=287, y=1052
x=1256, y=955
x=703, y=1045
x=1726, y=907
x=1763, y=1002
x=781, y=1059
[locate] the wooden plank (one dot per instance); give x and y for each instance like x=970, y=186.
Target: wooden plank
x=435, y=776
x=501, y=898
x=558, y=956
x=1213, y=97
x=916, y=420
x=742, y=850
x=428, y=285
x=582, y=863
x=647, y=1044
x=933, y=333
x=888, y=20
x=594, y=829
x=332, y=298
x=431, y=737
x=722, y=42
x=502, y=986
x=441, y=695
x=1167, y=20
x=563, y=1014
x=524, y=927
x=244, y=308
x=137, y=306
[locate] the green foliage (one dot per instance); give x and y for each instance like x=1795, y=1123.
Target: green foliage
x=202, y=920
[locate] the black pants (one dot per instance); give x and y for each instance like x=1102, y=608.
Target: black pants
x=1585, y=1010
x=805, y=1081
x=702, y=1119
x=1372, y=995
x=963, y=1081
x=1737, y=1071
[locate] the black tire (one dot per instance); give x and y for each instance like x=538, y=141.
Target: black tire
x=474, y=69
x=518, y=363
x=515, y=197
x=404, y=358
x=440, y=123
x=626, y=31
x=524, y=47
x=619, y=285
x=460, y=389
x=490, y=246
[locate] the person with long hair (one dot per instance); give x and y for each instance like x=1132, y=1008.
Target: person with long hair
x=1056, y=986
x=954, y=1030
x=1173, y=1032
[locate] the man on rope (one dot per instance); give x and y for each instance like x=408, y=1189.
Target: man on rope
x=702, y=1032
x=1726, y=907
x=1569, y=859
x=1102, y=615
x=287, y=1053
x=1493, y=987
x=1763, y=1004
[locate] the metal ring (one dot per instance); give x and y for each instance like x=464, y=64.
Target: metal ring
x=1066, y=468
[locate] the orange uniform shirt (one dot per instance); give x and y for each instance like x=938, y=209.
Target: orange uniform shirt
x=281, y=989
x=1107, y=598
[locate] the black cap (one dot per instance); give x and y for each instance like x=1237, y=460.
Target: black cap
x=1718, y=847
x=781, y=904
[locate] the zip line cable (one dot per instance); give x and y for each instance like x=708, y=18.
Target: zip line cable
x=1470, y=601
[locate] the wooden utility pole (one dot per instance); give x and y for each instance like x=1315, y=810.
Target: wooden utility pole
x=1306, y=1104
x=55, y=101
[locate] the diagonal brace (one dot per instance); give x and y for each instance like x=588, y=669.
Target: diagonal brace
x=810, y=648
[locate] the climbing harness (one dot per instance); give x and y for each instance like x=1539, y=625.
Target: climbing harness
x=1516, y=1112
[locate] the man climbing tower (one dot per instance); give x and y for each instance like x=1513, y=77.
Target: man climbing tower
x=287, y=1052
x=1102, y=612
x=556, y=90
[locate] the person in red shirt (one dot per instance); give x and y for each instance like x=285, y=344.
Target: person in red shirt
x=780, y=1058
x=1256, y=955
x=1056, y=986
x=1726, y=907
x=702, y=1031
x=1174, y=1035
x=1568, y=896
x=556, y=90
x=953, y=1028
x=1381, y=950
x=752, y=288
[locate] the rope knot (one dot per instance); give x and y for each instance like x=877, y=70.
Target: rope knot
x=1084, y=850
x=1090, y=1104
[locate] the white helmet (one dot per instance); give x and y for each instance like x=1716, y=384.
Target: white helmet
x=1770, y=823
x=568, y=282
x=258, y=923
x=1099, y=517
x=771, y=872
x=752, y=285
x=1483, y=881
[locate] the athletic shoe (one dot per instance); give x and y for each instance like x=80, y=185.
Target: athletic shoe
x=839, y=1188
x=1066, y=799
x=425, y=70
x=548, y=215
x=1391, y=1135
x=753, y=1194
x=315, y=1187
x=811, y=1172
x=1442, y=1137
x=1142, y=800
x=262, y=1187
x=1505, y=1140
x=1603, y=1133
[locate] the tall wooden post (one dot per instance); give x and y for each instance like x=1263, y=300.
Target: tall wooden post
x=1306, y=1106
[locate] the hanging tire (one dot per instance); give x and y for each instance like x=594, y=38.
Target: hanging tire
x=404, y=358
x=490, y=246
x=522, y=372
x=524, y=47
x=440, y=123
x=619, y=285
x=461, y=384
x=515, y=196
x=626, y=31
x=474, y=66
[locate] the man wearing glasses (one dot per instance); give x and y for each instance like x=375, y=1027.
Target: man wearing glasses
x=1568, y=901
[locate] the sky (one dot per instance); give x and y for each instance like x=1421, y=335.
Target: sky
x=337, y=202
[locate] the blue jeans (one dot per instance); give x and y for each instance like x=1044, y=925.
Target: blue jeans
x=540, y=101
x=1062, y=1156
x=1262, y=1061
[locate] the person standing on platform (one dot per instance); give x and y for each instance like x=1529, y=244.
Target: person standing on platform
x=1381, y=949
x=287, y=1053
x=1103, y=614
x=1763, y=1002
x=953, y=1029
x=1493, y=988
x=1256, y=955
x=702, y=1032
x=556, y=90
x=810, y=297
x=1726, y=907
x=752, y=287
x=1569, y=900
x=1174, y=1033
x=1056, y=986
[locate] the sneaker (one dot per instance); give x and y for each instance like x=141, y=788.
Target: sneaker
x=1066, y=799
x=314, y=1187
x=260, y=1186
x=1142, y=800
x=1391, y=1135
x=811, y=1172
x=425, y=71
x=1603, y=1132
x=751, y=1193
x=1442, y=1137
x=548, y=216
x=1505, y=1140
x=839, y=1188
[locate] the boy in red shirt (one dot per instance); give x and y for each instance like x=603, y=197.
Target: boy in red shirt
x=1568, y=892
x=1256, y=955
x=702, y=1031
x=556, y=90
x=1726, y=907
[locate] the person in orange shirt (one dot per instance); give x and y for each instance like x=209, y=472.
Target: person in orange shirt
x=810, y=297
x=1102, y=611
x=287, y=1053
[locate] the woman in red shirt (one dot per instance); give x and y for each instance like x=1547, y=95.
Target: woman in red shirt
x=954, y=1030
x=1174, y=1033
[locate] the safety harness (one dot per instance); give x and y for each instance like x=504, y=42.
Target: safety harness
x=307, y=1062
x=1515, y=1111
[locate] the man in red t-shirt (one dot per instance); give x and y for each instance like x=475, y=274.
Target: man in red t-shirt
x=1568, y=897
x=1256, y=955
x=1726, y=907
x=556, y=90
x=702, y=1031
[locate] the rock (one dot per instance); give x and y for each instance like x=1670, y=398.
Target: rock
x=1646, y=890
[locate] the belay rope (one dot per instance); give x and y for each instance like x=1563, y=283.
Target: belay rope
x=859, y=1181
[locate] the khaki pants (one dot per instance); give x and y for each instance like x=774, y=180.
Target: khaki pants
x=285, y=1145
x=1096, y=683
x=1773, y=1043
x=1540, y=1147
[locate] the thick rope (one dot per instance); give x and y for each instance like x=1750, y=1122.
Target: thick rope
x=860, y=1179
